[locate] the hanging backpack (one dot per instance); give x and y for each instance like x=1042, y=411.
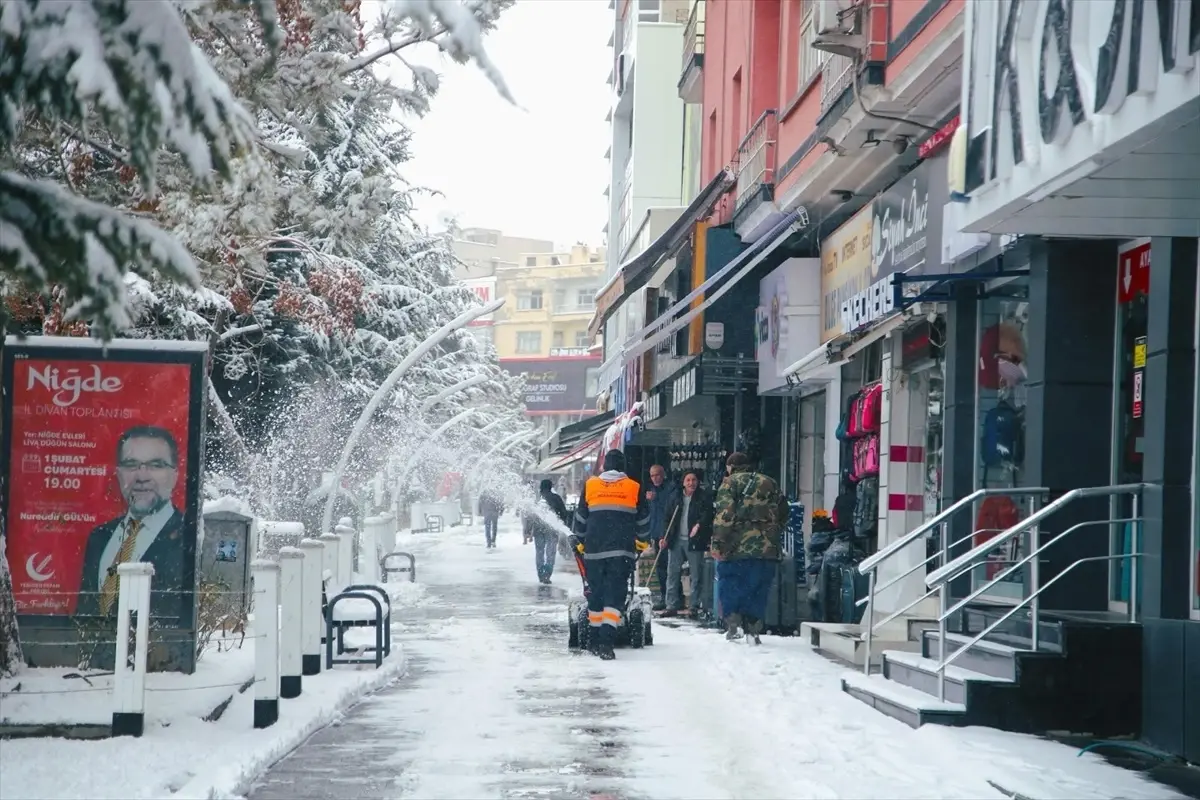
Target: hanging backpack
x=843, y=511
x=866, y=456
x=866, y=506
x=872, y=408
x=1001, y=441
x=997, y=513
x=843, y=431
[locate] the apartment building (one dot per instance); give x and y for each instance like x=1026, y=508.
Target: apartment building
x=549, y=298
x=481, y=252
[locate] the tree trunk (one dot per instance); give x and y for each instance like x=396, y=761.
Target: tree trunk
x=10, y=638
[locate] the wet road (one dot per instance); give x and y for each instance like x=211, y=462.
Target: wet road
x=491, y=702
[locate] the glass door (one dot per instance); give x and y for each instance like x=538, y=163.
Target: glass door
x=1128, y=430
x=1001, y=396
x=1196, y=469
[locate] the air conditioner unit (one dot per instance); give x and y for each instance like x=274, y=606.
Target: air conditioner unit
x=837, y=27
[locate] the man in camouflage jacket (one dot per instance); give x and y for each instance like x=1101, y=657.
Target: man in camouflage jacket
x=750, y=517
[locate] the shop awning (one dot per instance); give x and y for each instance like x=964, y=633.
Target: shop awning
x=634, y=273
x=585, y=450
x=578, y=433
x=811, y=365
x=882, y=329
x=667, y=324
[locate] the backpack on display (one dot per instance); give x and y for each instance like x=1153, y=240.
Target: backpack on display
x=872, y=406
x=844, y=428
x=866, y=457
x=866, y=506
x=1000, y=442
x=997, y=513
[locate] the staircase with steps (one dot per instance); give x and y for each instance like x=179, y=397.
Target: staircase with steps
x=846, y=641
x=1085, y=675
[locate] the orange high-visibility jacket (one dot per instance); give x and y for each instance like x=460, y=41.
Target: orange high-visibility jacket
x=611, y=515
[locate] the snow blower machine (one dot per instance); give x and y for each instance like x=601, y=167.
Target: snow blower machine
x=635, y=630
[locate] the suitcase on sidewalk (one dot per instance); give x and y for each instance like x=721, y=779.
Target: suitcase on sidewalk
x=781, y=614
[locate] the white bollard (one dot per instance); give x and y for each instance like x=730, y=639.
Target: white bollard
x=329, y=566
x=311, y=620
x=387, y=537
x=129, y=676
x=266, y=642
x=291, y=606
x=368, y=551
x=345, y=563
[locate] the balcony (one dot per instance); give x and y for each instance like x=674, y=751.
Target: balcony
x=756, y=161
x=691, y=81
x=836, y=74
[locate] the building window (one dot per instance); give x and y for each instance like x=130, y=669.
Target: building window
x=648, y=10
x=529, y=301
x=811, y=58
x=582, y=339
x=585, y=298
x=529, y=342
x=558, y=338
x=555, y=261
x=531, y=261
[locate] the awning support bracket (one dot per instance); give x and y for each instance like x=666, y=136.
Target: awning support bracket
x=942, y=284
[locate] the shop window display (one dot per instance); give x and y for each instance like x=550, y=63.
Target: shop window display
x=1129, y=427
x=1000, y=424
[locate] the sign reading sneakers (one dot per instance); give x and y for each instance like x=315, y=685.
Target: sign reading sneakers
x=1055, y=89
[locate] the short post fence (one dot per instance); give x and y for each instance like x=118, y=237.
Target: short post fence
x=311, y=618
x=345, y=559
x=434, y=523
x=390, y=567
x=387, y=541
x=266, y=645
x=133, y=628
x=291, y=608
x=374, y=530
x=329, y=566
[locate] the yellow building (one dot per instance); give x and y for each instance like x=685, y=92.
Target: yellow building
x=549, y=298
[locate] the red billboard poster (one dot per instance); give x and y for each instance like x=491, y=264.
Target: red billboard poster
x=102, y=449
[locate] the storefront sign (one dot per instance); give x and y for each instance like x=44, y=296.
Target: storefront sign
x=898, y=235
x=714, y=335
x=939, y=139
x=845, y=270
x=870, y=305
x=99, y=442
x=485, y=290
x=1048, y=83
x=1139, y=374
x=684, y=387
x=1134, y=278
x=568, y=352
x=555, y=384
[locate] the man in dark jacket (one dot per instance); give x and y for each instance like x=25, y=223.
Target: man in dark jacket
x=687, y=537
x=612, y=524
x=750, y=517
x=659, y=496
x=545, y=538
x=490, y=508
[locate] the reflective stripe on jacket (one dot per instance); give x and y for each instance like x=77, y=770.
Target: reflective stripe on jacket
x=610, y=515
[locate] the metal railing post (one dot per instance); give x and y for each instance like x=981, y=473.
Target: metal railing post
x=943, y=603
x=869, y=615
x=1035, y=605
x=1133, y=560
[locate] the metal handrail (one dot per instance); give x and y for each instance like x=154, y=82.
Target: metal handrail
x=946, y=661
x=916, y=567
x=940, y=575
x=930, y=593
x=1022, y=562
x=904, y=541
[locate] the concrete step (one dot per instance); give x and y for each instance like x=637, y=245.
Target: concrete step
x=845, y=642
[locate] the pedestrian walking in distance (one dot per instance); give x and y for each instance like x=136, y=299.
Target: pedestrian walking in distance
x=490, y=508
x=689, y=531
x=750, y=517
x=544, y=537
x=612, y=525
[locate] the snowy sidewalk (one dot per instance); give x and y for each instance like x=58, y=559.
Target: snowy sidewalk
x=180, y=754
x=494, y=705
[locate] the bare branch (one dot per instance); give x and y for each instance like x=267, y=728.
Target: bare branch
x=234, y=333
x=364, y=61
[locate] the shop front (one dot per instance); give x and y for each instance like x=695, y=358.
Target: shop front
x=1083, y=371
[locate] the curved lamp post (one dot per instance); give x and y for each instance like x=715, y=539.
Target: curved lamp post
x=419, y=352
x=474, y=380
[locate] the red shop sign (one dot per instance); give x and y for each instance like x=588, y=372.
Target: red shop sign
x=938, y=139
x=1134, y=274
x=99, y=444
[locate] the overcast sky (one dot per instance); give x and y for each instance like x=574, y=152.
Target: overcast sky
x=536, y=172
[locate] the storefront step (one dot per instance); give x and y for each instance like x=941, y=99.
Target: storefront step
x=845, y=641
x=910, y=706
x=918, y=672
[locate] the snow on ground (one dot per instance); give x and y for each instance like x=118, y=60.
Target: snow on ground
x=180, y=755
x=491, y=704
x=495, y=706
